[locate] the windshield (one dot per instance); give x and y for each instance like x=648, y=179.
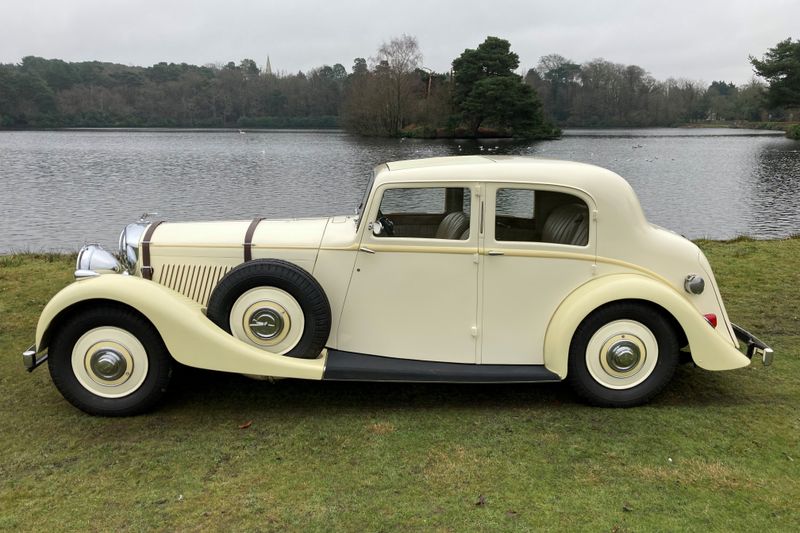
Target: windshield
x=362, y=205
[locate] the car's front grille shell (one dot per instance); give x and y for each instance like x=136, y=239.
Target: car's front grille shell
x=193, y=281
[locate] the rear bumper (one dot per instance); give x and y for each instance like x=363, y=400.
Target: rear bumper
x=30, y=360
x=754, y=346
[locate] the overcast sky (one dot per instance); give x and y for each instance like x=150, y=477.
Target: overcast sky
x=702, y=40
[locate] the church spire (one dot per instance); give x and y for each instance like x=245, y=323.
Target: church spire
x=268, y=68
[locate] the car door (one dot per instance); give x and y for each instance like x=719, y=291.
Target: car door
x=539, y=247
x=413, y=291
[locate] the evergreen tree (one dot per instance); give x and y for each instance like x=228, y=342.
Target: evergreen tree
x=780, y=66
x=489, y=92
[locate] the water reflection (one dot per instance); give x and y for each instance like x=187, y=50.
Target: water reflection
x=774, y=195
x=59, y=189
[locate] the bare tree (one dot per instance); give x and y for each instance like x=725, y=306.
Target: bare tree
x=395, y=66
x=402, y=54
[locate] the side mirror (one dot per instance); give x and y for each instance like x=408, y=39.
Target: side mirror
x=377, y=228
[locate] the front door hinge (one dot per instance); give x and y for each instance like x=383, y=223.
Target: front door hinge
x=474, y=331
x=594, y=215
x=475, y=258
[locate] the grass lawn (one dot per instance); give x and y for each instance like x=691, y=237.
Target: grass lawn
x=715, y=452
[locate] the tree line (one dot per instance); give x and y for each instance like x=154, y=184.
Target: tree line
x=53, y=93
x=392, y=94
x=600, y=93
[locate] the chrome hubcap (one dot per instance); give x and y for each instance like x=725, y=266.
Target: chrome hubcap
x=108, y=364
x=266, y=323
x=268, y=318
x=623, y=356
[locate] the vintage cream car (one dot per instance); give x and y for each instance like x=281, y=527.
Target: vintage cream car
x=458, y=269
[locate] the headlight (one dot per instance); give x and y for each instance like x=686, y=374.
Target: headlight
x=93, y=260
x=129, y=241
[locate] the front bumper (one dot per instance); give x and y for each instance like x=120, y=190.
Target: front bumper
x=30, y=360
x=754, y=345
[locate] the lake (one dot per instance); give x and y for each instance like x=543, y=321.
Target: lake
x=61, y=189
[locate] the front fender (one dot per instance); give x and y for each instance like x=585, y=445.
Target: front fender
x=710, y=350
x=190, y=337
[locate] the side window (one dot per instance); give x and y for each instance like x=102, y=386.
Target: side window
x=528, y=215
x=515, y=203
x=425, y=212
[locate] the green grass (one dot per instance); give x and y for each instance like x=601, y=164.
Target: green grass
x=716, y=452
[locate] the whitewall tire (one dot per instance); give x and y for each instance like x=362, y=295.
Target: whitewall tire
x=623, y=354
x=109, y=360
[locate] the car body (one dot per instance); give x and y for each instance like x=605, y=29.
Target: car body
x=455, y=269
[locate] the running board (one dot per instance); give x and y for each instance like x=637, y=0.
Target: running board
x=348, y=366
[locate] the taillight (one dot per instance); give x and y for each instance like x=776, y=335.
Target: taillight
x=711, y=318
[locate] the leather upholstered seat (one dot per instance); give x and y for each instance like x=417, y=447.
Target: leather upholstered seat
x=567, y=224
x=453, y=226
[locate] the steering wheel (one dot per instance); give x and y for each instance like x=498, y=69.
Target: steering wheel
x=386, y=224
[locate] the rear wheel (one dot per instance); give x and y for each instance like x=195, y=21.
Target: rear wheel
x=109, y=361
x=622, y=355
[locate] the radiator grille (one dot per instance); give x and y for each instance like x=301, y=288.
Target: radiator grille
x=193, y=281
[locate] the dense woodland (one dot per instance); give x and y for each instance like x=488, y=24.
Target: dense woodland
x=392, y=94
x=601, y=93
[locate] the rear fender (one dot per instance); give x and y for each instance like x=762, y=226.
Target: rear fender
x=710, y=349
x=191, y=338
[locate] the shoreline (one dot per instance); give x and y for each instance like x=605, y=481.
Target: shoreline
x=789, y=128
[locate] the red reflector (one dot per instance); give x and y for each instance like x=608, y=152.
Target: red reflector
x=711, y=318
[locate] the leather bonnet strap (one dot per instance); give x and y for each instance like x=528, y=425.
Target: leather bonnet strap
x=147, y=269
x=248, y=239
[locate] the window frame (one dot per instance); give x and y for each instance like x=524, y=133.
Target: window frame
x=474, y=214
x=491, y=218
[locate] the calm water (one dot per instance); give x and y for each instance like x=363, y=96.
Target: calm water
x=60, y=189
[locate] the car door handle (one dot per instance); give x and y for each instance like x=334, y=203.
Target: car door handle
x=495, y=252
x=367, y=250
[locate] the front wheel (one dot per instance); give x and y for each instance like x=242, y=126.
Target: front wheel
x=109, y=361
x=622, y=355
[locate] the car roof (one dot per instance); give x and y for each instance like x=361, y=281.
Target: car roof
x=611, y=194
x=499, y=168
